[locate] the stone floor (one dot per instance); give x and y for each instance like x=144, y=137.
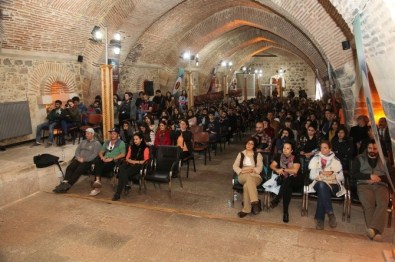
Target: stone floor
x=194, y=223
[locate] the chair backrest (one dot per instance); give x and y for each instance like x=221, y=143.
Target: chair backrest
x=201, y=138
x=166, y=156
x=95, y=119
x=196, y=129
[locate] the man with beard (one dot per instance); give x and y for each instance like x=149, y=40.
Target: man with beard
x=372, y=188
x=264, y=142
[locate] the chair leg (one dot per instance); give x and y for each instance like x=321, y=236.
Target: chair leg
x=205, y=157
x=179, y=178
x=194, y=166
x=209, y=154
x=187, y=168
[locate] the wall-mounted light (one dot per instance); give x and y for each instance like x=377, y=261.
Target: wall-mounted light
x=97, y=34
x=190, y=57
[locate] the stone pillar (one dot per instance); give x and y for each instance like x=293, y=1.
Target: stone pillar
x=107, y=100
x=190, y=89
x=245, y=87
x=225, y=84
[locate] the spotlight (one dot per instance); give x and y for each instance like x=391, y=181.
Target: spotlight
x=97, y=35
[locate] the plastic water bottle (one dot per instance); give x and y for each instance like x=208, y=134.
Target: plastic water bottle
x=229, y=203
x=62, y=156
x=235, y=196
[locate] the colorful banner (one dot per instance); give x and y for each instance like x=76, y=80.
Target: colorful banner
x=177, y=85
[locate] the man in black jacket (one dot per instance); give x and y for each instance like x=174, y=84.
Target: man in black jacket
x=53, y=117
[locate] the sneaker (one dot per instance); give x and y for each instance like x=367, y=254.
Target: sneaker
x=332, y=220
x=49, y=144
x=319, y=225
x=370, y=233
x=378, y=237
x=96, y=184
x=36, y=144
x=374, y=234
x=94, y=192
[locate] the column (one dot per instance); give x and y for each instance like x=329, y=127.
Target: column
x=107, y=100
x=189, y=89
x=245, y=87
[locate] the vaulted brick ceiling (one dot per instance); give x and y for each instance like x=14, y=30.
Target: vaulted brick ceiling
x=157, y=32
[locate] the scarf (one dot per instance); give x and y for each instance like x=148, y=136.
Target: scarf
x=286, y=162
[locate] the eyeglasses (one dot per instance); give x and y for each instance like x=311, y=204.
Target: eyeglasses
x=311, y=130
x=250, y=143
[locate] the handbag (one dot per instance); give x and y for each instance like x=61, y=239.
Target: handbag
x=280, y=180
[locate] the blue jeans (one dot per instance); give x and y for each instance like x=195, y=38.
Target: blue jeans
x=66, y=125
x=50, y=127
x=324, y=202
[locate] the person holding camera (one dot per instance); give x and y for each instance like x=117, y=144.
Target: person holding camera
x=286, y=165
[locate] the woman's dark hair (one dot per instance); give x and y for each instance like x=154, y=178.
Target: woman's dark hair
x=145, y=125
x=290, y=132
x=141, y=136
x=342, y=128
x=251, y=139
x=185, y=121
x=151, y=119
x=326, y=142
x=289, y=142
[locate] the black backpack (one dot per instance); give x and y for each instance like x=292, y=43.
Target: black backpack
x=46, y=160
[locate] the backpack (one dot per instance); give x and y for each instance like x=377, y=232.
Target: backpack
x=46, y=160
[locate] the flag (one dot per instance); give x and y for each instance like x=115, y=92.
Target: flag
x=177, y=84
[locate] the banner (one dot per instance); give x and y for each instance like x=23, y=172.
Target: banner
x=366, y=89
x=177, y=84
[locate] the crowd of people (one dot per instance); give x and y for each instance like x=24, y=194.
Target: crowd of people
x=303, y=138
x=304, y=145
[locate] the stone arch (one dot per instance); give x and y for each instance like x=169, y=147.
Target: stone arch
x=45, y=75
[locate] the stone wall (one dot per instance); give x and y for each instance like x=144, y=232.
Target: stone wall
x=30, y=78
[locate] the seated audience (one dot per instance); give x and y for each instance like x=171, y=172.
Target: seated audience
x=372, y=188
x=342, y=147
x=359, y=133
x=327, y=175
x=184, y=139
x=126, y=132
x=162, y=135
x=248, y=167
x=94, y=108
x=54, y=117
x=138, y=153
x=111, y=151
x=149, y=135
x=85, y=153
x=71, y=117
x=286, y=165
x=264, y=142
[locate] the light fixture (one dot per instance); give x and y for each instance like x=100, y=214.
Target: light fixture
x=116, y=46
x=244, y=69
x=117, y=36
x=96, y=33
x=186, y=55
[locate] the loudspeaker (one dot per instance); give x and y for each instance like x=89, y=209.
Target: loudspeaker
x=80, y=58
x=346, y=45
x=149, y=88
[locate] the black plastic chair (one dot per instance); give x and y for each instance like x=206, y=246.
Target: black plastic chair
x=237, y=188
x=164, y=167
